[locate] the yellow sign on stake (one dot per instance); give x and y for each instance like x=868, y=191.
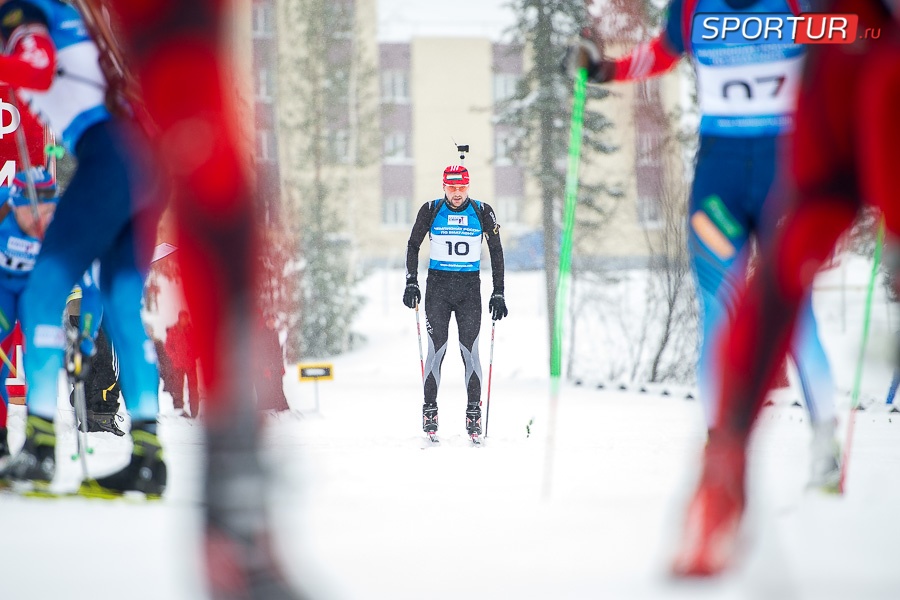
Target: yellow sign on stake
x=315, y=371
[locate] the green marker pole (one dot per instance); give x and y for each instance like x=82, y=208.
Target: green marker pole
x=857, y=379
x=565, y=265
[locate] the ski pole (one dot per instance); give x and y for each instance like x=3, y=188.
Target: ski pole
x=81, y=427
x=30, y=190
x=8, y=363
x=859, y=363
x=487, y=408
x=75, y=368
x=419, y=331
x=565, y=264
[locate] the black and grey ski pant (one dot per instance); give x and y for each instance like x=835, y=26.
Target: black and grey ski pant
x=446, y=293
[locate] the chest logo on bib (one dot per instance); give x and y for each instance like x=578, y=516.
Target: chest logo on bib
x=458, y=220
x=15, y=244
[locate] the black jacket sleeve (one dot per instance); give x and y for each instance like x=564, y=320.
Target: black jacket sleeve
x=416, y=236
x=492, y=233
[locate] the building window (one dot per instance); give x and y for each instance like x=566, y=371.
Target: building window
x=508, y=209
x=504, y=146
x=649, y=212
x=650, y=176
x=648, y=149
x=339, y=145
x=266, y=145
x=263, y=21
x=395, y=86
x=396, y=211
x=340, y=15
x=649, y=195
x=396, y=148
x=649, y=91
x=264, y=85
x=505, y=86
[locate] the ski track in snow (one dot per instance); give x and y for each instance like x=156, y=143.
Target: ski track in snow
x=361, y=510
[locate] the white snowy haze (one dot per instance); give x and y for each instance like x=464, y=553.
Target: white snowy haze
x=400, y=20
x=362, y=511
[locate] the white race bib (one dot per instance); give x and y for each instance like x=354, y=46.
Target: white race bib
x=749, y=90
x=461, y=249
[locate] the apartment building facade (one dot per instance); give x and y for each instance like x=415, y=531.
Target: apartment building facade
x=264, y=82
x=436, y=94
x=431, y=93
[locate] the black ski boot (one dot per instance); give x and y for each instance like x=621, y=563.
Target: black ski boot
x=103, y=421
x=102, y=415
x=473, y=420
x=145, y=473
x=36, y=461
x=430, y=418
x=473, y=423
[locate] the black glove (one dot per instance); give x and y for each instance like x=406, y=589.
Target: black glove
x=411, y=295
x=497, y=306
x=583, y=52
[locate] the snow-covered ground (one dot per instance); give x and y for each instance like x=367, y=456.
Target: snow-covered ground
x=362, y=511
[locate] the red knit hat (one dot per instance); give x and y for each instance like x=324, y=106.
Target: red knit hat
x=456, y=175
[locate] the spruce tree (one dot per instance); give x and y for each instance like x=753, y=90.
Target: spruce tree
x=326, y=138
x=541, y=110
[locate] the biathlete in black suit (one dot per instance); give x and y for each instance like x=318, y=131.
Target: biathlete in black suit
x=455, y=225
